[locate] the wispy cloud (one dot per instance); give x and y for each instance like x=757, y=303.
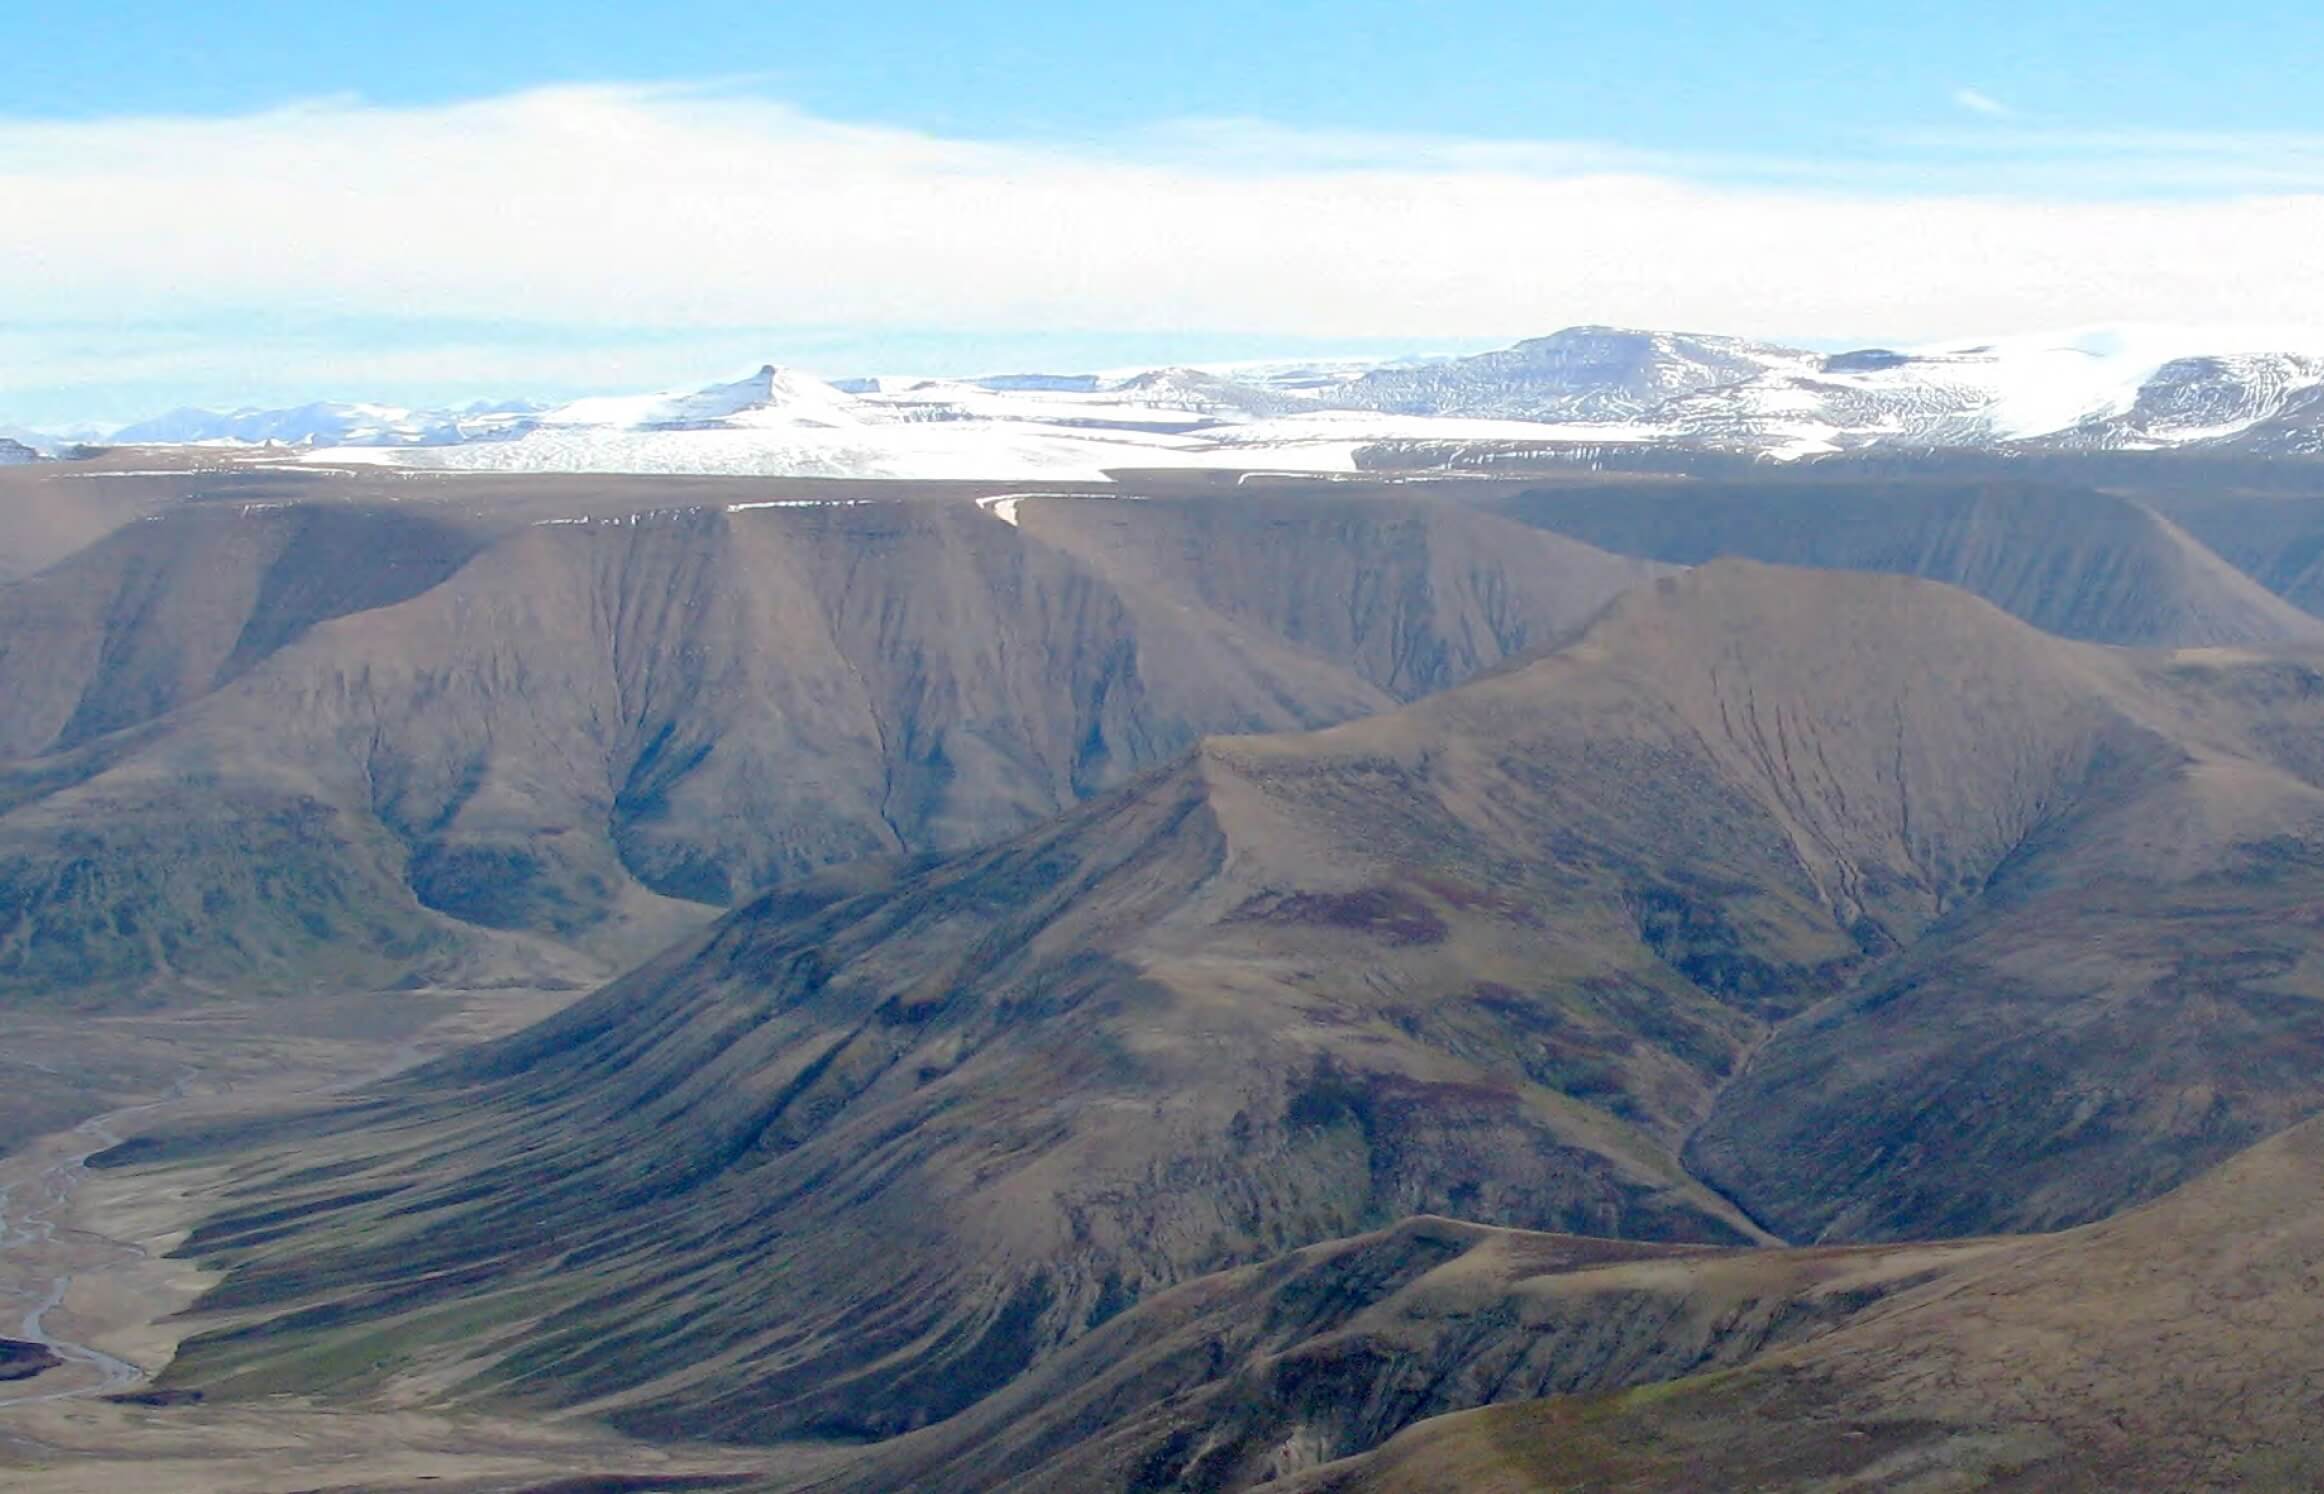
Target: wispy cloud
x=703, y=211
x=1977, y=102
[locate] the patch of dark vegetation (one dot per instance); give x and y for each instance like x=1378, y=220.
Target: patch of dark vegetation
x=643, y=821
x=1330, y=1096
x=158, y=1398
x=254, y=882
x=1687, y=923
x=673, y=869
x=825, y=1087
x=1561, y=1053
x=1523, y=908
x=21, y=1361
x=1695, y=938
x=188, y=1142
x=1389, y=914
x=1113, y=1297
x=250, y=1229
x=1167, y=1465
x=505, y=886
x=973, y=1360
x=423, y=1283
x=1437, y=1148
x=1315, y=1300
x=2268, y=863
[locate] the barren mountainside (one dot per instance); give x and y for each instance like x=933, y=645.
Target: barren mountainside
x=1780, y=904
x=2071, y=561
x=2169, y=1348
x=401, y=745
x=160, y=613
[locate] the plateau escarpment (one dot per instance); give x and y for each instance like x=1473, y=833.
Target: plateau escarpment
x=417, y=743
x=2071, y=560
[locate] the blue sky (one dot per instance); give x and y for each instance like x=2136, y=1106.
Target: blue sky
x=489, y=198
x=1685, y=76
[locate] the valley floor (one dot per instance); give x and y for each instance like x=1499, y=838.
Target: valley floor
x=85, y=1269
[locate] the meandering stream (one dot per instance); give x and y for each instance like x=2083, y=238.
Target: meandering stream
x=28, y=1228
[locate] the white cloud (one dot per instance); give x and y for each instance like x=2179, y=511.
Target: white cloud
x=609, y=207
x=1982, y=103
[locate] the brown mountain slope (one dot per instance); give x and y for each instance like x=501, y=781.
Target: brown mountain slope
x=1416, y=597
x=579, y=728
x=1498, y=955
x=48, y=510
x=1259, y=1374
x=2141, y=986
x=2071, y=561
x=2172, y=1348
x=159, y=613
x=2276, y=537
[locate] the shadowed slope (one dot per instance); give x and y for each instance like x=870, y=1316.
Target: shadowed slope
x=1415, y=596
x=2275, y=537
x=2133, y=997
x=163, y=612
x=2070, y=561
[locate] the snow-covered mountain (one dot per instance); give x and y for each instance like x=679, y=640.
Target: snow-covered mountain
x=1982, y=395
x=45, y=443
x=15, y=453
x=1595, y=374
x=1200, y=392
x=782, y=421
x=772, y=397
x=1570, y=394
x=1724, y=394
x=327, y=423
x=2259, y=401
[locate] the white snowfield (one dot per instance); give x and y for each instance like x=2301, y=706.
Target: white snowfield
x=1009, y=451
x=1584, y=388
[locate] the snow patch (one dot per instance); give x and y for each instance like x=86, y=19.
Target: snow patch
x=1584, y=387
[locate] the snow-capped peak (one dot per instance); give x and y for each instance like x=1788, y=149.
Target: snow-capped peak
x=771, y=396
x=1583, y=387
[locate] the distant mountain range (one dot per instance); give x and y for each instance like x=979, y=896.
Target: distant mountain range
x=1577, y=393
x=327, y=424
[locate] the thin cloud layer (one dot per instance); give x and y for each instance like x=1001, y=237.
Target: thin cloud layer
x=1979, y=102
x=627, y=207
